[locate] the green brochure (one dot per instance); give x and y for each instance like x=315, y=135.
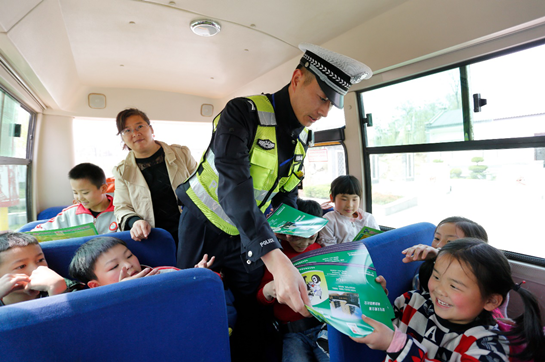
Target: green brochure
x=287, y=220
x=65, y=233
x=366, y=232
x=341, y=286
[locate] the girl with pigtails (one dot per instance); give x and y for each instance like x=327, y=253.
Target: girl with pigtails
x=453, y=320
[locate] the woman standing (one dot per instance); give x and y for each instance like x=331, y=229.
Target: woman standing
x=145, y=182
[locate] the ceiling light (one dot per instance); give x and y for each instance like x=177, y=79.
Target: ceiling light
x=205, y=27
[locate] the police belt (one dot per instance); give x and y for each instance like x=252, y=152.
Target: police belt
x=299, y=326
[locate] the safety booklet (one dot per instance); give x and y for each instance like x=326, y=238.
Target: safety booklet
x=366, y=232
x=341, y=286
x=287, y=220
x=65, y=233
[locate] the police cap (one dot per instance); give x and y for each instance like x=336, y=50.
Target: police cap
x=334, y=72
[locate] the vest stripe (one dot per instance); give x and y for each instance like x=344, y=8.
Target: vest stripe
x=263, y=169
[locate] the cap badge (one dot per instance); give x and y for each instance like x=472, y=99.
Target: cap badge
x=358, y=78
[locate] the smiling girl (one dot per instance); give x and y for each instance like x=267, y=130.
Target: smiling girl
x=346, y=221
x=453, y=321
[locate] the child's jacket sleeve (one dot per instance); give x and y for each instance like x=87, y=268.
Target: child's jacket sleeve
x=327, y=234
x=62, y=220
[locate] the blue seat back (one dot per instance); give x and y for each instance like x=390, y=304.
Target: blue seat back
x=176, y=316
x=31, y=225
x=385, y=250
x=50, y=212
x=158, y=249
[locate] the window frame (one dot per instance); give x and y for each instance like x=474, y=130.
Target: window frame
x=469, y=144
x=28, y=160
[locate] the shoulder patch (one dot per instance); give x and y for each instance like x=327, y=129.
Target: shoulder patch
x=298, y=158
x=265, y=144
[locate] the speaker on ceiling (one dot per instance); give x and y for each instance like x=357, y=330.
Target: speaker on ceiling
x=97, y=100
x=207, y=110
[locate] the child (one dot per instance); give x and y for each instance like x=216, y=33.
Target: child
x=346, y=221
x=24, y=274
x=447, y=230
x=453, y=321
x=300, y=335
x=94, y=205
x=106, y=260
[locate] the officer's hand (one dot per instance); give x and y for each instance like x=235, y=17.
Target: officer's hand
x=290, y=287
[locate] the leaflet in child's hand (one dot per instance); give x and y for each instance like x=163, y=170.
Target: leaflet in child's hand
x=341, y=286
x=366, y=232
x=65, y=233
x=287, y=220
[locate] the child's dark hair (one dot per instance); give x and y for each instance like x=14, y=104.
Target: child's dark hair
x=310, y=207
x=88, y=171
x=493, y=275
x=82, y=266
x=470, y=229
x=346, y=184
x=13, y=239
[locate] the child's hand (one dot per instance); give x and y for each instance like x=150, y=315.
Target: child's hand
x=146, y=272
x=269, y=291
x=204, y=263
x=12, y=282
x=380, y=338
x=46, y=280
x=419, y=252
x=380, y=279
x=140, y=230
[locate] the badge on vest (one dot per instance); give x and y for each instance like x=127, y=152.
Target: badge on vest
x=265, y=144
x=298, y=158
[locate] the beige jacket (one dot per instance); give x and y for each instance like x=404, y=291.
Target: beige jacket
x=132, y=196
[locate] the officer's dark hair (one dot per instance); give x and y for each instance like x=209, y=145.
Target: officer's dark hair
x=13, y=239
x=308, y=75
x=88, y=171
x=318, y=279
x=82, y=266
x=346, y=184
x=310, y=207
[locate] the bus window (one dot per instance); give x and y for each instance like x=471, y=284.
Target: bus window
x=327, y=159
x=15, y=123
x=335, y=119
x=322, y=165
x=515, y=106
x=500, y=189
x=431, y=155
x=96, y=140
x=402, y=113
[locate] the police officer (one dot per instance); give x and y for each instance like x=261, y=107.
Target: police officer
x=256, y=157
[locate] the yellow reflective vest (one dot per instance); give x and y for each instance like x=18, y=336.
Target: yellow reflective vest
x=203, y=185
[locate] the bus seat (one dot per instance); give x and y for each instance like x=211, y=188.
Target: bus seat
x=325, y=211
x=158, y=249
x=167, y=317
x=50, y=212
x=385, y=250
x=31, y=225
